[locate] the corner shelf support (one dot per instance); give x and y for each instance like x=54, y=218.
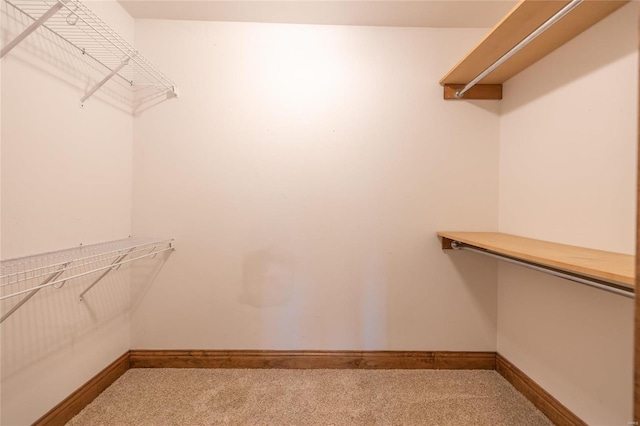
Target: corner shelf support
x=477, y=92
x=34, y=26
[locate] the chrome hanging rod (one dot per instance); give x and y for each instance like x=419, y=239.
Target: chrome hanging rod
x=542, y=28
x=599, y=284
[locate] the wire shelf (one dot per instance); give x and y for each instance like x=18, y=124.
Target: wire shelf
x=25, y=276
x=75, y=23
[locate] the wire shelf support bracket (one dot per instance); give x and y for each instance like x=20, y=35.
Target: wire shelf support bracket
x=31, y=28
x=28, y=275
x=50, y=278
x=76, y=24
x=114, y=265
x=104, y=80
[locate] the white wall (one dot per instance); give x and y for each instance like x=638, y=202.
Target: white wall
x=568, y=142
x=66, y=180
x=2, y=42
x=304, y=172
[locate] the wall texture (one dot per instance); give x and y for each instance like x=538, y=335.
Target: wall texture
x=2, y=42
x=304, y=171
x=66, y=180
x=568, y=142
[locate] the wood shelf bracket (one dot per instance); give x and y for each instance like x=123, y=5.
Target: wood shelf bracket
x=477, y=92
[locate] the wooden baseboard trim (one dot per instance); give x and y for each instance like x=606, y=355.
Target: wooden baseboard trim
x=74, y=403
x=312, y=359
x=543, y=400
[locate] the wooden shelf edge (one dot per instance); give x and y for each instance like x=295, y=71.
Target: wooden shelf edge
x=477, y=92
x=614, y=268
x=521, y=21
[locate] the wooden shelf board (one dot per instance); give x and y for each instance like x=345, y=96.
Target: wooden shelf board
x=600, y=264
x=521, y=21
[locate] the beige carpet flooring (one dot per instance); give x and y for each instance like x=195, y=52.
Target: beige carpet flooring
x=310, y=397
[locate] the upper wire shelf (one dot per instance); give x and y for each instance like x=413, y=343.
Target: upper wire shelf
x=75, y=23
x=25, y=276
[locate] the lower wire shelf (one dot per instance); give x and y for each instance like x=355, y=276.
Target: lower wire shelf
x=26, y=276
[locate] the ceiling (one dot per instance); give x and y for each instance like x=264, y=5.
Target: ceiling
x=388, y=13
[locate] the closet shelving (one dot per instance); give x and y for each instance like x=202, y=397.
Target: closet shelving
x=24, y=277
x=75, y=23
x=612, y=272
x=530, y=31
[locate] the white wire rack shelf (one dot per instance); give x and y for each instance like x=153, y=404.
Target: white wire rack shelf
x=25, y=276
x=75, y=23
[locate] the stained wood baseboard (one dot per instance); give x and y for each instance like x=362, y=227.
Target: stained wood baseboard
x=74, y=403
x=543, y=400
x=312, y=359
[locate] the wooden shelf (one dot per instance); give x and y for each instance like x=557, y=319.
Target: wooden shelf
x=521, y=21
x=603, y=265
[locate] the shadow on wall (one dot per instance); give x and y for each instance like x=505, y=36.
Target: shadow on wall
x=479, y=276
x=55, y=319
x=148, y=102
x=50, y=54
x=378, y=296
x=143, y=273
x=270, y=283
x=373, y=302
x=331, y=303
x=268, y=278
x=575, y=340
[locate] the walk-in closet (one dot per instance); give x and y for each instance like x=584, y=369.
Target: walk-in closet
x=318, y=212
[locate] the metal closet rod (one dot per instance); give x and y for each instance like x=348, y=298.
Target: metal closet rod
x=542, y=28
x=593, y=282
